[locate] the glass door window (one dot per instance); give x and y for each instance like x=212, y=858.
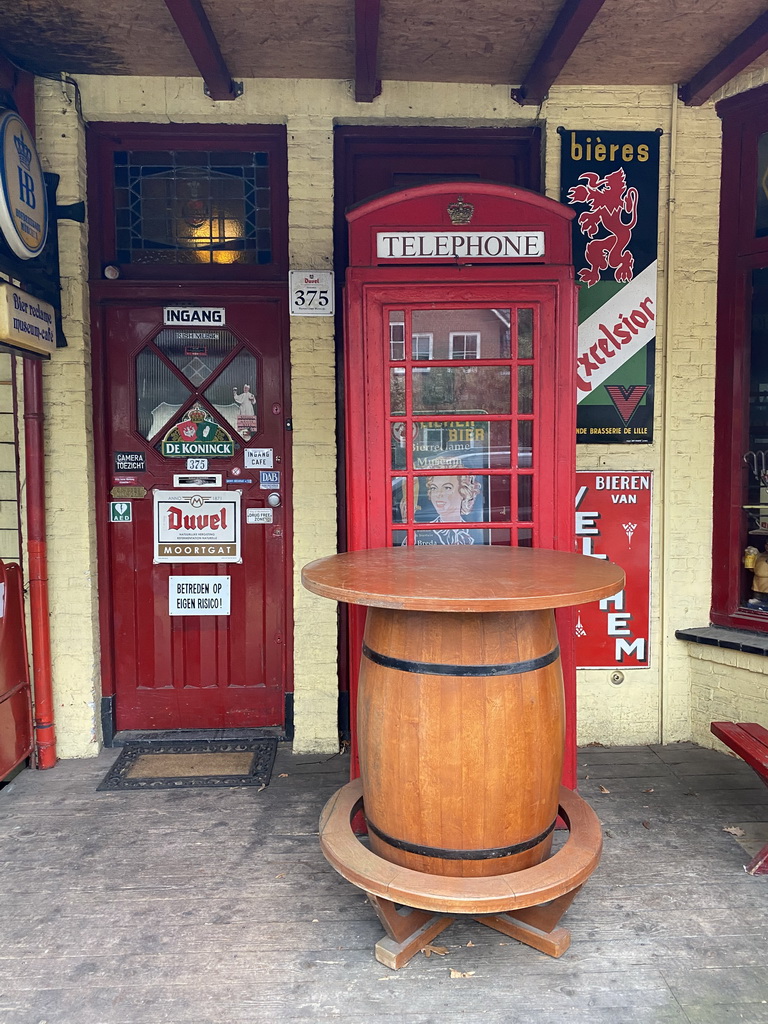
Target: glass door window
x=461, y=437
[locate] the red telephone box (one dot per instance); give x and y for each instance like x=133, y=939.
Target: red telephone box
x=460, y=345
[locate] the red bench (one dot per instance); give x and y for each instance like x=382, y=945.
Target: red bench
x=750, y=742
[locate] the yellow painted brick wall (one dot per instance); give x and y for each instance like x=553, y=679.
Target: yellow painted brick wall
x=652, y=704
x=71, y=513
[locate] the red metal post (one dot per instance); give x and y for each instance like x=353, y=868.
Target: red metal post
x=34, y=457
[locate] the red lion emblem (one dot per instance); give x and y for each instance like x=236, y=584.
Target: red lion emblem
x=608, y=199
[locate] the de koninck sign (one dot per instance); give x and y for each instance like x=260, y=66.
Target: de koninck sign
x=612, y=180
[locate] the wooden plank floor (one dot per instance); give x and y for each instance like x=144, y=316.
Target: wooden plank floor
x=203, y=907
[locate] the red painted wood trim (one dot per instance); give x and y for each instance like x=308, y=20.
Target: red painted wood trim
x=744, y=118
x=21, y=85
x=748, y=740
x=367, y=85
x=195, y=29
x=572, y=22
x=737, y=55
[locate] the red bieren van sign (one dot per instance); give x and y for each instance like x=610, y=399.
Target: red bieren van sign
x=613, y=521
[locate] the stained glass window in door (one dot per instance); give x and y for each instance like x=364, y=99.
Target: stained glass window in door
x=197, y=352
x=159, y=393
x=235, y=394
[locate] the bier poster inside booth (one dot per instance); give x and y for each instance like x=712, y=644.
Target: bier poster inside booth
x=611, y=179
x=613, y=521
x=451, y=493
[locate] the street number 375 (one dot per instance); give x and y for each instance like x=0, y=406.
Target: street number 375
x=311, y=298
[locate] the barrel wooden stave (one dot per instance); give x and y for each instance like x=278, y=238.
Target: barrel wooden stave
x=460, y=762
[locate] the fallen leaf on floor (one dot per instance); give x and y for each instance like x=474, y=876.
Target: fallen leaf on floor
x=734, y=830
x=283, y=775
x=646, y=824
x=430, y=949
x=461, y=974
x=648, y=790
x=470, y=943
x=280, y=876
x=604, y=790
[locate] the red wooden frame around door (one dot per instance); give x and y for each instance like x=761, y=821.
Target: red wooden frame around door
x=745, y=118
x=153, y=295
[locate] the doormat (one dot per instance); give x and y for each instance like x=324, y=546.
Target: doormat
x=192, y=764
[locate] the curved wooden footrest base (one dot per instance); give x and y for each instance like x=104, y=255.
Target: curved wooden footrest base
x=526, y=905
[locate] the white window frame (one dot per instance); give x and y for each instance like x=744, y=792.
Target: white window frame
x=454, y=335
x=418, y=338
x=400, y=342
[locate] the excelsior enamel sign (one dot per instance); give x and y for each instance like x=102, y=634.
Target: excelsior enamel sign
x=197, y=527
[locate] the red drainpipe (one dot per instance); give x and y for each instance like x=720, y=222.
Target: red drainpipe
x=34, y=458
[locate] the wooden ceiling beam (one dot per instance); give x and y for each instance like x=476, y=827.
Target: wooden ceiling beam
x=367, y=84
x=572, y=22
x=737, y=55
x=195, y=29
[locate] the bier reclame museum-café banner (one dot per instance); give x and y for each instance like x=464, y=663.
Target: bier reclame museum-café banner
x=611, y=179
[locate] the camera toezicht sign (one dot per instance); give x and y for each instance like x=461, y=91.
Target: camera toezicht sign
x=197, y=527
x=612, y=181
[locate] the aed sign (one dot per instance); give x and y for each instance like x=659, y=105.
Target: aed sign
x=199, y=595
x=175, y=315
x=452, y=245
x=23, y=199
x=613, y=521
x=26, y=323
x=197, y=527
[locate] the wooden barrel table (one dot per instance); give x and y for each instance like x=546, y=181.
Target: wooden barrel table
x=460, y=704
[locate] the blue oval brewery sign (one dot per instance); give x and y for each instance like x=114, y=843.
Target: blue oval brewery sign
x=197, y=435
x=23, y=200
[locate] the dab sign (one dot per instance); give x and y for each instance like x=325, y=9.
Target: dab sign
x=23, y=200
x=198, y=435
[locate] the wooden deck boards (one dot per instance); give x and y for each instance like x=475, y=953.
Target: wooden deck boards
x=203, y=907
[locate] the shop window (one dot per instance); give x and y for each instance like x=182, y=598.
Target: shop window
x=740, y=547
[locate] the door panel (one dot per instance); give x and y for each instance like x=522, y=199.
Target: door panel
x=215, y=384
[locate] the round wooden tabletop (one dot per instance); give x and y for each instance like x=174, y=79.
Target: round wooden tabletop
x=462, y=578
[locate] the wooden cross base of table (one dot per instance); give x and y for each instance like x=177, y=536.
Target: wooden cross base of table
x=414, y=907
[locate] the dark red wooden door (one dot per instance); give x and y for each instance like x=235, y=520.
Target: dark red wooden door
x=220, y=389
